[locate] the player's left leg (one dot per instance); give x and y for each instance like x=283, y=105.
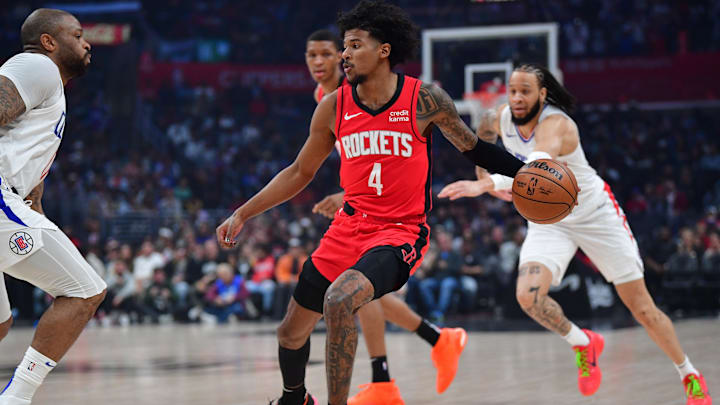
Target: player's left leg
x=608, y=241
x=637, y=299
x=447, y=343
x=379, y=271
x=345, y=296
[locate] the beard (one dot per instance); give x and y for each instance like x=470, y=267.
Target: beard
x=75, y=66
x=529, y=116
x=357, y=80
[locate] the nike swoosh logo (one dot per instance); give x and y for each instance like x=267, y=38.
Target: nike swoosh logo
x=47, y=363
x=347, y=117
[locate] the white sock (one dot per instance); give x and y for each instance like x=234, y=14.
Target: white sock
x=686, y=368
x=576, y=337
x=29, y=374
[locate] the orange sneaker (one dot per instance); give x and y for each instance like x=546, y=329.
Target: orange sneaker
x=586, y=358
x=696, y=391
x=446, y=354
x=379, y=393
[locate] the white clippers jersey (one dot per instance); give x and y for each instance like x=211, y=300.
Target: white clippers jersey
x=591, y=185
x=28, y=144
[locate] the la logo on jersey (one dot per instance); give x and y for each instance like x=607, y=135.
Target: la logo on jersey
x=399, y=116
x=21, y=243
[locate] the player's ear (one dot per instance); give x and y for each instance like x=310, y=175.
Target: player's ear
x=48, y=42
x=543, y=94
x=385, y=50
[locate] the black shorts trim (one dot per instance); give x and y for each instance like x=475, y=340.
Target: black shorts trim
x=385, y=267
x=310, y=289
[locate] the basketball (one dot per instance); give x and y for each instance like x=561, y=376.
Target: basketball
x=544, y=191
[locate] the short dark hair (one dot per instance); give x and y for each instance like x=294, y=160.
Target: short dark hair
x=557, y=94
x=326, y=35
x=385, y=22
x=41, y=21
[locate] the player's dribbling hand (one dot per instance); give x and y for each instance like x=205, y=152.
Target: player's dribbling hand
x=329, y=205
x=228, y=230
x=466, y=188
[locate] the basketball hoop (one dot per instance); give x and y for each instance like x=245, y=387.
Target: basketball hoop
x=483, y=100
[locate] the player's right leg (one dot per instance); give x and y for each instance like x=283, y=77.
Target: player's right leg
x=304, y=311
x=533, y=283
x=57, y=267
x=544, y=258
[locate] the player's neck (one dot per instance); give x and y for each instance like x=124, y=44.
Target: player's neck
x=526, y=130
x=32, y=49
x=377, y=89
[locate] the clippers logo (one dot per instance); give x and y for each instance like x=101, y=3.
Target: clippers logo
x=31, y=366
x=399, y=116
x=409, y=257
x=531, y=186
x=21, y=243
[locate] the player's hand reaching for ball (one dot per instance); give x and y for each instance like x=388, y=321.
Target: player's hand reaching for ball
x=467, y=188
x=505, y=195
x=228, y=231
x=329, y=205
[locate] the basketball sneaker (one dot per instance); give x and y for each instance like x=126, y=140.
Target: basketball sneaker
x=378, y=393
x=446, y=355
x=309, y=400
x=696, y=390
x=586, y=358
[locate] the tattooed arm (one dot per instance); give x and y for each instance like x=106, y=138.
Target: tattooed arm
x=11, y=104
x=436, y=107
x=36, y=197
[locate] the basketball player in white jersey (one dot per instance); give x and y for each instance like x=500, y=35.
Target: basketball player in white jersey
x=32, y=248
x=536, y=125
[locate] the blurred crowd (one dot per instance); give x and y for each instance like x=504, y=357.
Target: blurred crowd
x=140, y=190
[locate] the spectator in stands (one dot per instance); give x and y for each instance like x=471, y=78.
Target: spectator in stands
x=287, y=271
x=226, y=295
x=261, y=278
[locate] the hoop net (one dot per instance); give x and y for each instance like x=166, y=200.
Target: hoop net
x=490, y=95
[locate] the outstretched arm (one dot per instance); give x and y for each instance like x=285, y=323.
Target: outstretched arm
x=11, y=104
x=435, y=106
x=290, y=180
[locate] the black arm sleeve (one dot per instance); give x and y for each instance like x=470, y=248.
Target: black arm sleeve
x=494, y=159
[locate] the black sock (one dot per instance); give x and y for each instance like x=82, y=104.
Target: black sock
x=429, y=332
x=380, y=371
x=292, y=367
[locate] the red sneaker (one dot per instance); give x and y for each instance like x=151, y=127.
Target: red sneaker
x=586, y=358
x=696, y=390
x=446, y=355
x=379, y=393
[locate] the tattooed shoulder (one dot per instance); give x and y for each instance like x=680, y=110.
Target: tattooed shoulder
x=11, y=104
x=436, y=106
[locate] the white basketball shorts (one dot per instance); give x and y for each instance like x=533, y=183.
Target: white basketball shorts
x=603, y=234
x=33, y=249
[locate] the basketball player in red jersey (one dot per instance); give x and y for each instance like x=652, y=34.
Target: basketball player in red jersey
x=323, y=56
x=383, y=121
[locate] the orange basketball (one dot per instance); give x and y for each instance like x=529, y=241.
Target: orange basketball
x=544, y=191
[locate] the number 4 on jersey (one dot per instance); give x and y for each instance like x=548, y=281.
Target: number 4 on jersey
x=374, y=179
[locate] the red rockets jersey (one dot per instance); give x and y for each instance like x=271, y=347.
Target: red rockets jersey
x=319, y=93
x=385, y=162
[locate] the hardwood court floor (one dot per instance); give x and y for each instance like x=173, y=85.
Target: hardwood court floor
x=236, y=365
